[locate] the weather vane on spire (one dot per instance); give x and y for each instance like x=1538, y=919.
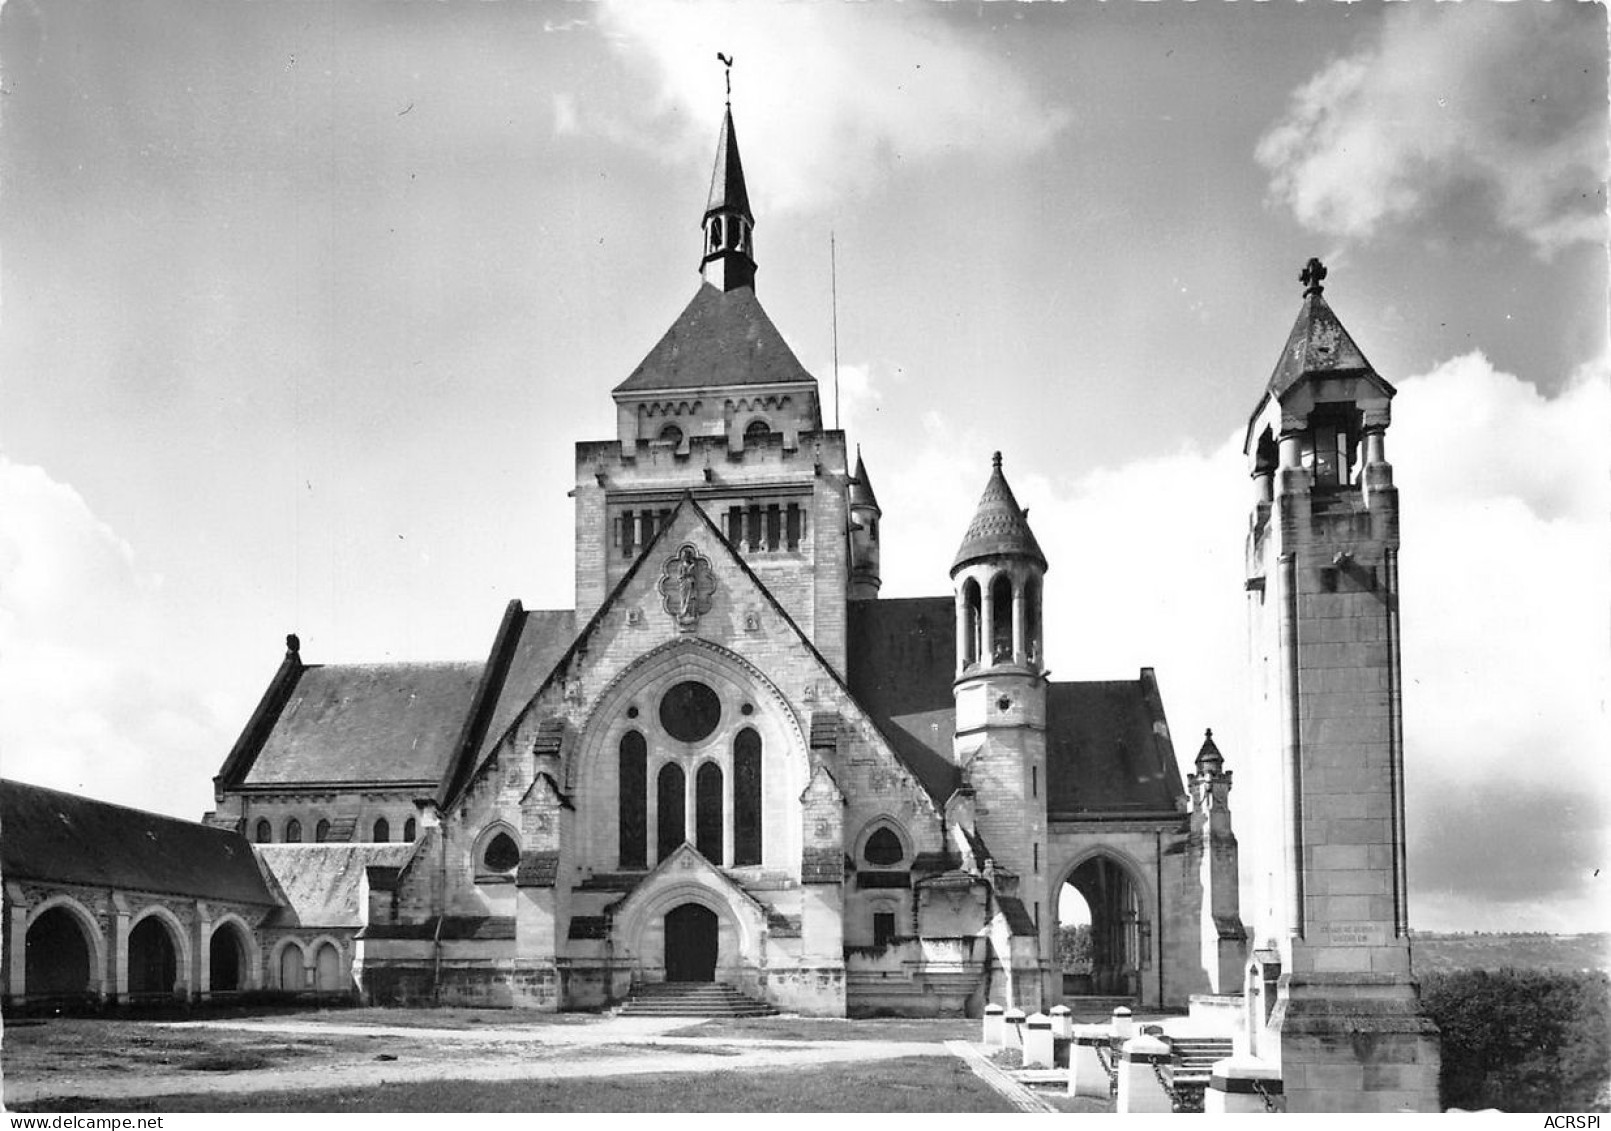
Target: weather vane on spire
x=727, y=61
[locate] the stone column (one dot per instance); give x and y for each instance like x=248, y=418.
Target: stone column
x=1020, y=646
x=1086, y=1074
x=17, y=943
x=993, y=1036
x=1139, y=1089
x=201, y=956
x=651, y=817
x=1038, y=1041
x=727, y=814
x=118, y=953
x=962, y=630
x=1244, y=1085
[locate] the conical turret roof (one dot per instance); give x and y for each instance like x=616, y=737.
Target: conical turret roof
x=861, y=487
x=999, y=527
x=1209, y=759
x=727, y=190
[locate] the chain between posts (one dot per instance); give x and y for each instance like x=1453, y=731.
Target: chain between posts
x=1113, y=1073
x=1269, y=1100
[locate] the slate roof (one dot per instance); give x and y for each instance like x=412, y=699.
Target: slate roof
x=60, y=837
x=542, y=638
x=319, y=884
x=721, y=339
x=1108, y=749
x=386, y=723
x=1318, y=343
x=999, y=525
x=727, y=188
x=861, y=486
x=901, y=656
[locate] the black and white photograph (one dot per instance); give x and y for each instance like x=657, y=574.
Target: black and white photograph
x=903, y=557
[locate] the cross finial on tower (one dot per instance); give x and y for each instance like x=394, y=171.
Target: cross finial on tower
x=1313, y=274
x=995, y=461
x=727, y=61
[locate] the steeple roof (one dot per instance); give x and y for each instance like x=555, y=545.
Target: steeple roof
x=727, y=190
x=999, y=527
x=861, y=487
x=1318, y=343
x=721, y=339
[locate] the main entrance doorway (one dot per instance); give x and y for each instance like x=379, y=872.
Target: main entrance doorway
x=691, y=944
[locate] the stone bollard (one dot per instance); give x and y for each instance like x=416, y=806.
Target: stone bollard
x=1062, y=1022
x=1012, y=1029
x=1139, y=1088
x=1240, y=1084
x=992, y=1025
x=1124, y=1026
x=1086, y=1074
x=1038, y=1042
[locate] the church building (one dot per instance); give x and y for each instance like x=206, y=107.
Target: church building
x=732, y=760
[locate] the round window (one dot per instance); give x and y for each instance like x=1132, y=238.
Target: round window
x=501, y=855
x=690, y=711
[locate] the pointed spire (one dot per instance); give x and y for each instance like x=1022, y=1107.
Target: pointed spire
x=1318, y=343
x=728, y=192
x=1000, y=527
x=1209, y=759
x=729, y=258
x=861, y=487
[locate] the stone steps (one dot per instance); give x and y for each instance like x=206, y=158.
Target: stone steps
x=692, y=999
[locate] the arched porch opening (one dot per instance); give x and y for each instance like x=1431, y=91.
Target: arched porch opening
x=1107, y=943
x=58, y=960
x=153, y=958
x=227, y=964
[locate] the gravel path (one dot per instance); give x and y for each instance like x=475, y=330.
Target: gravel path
x=569, y=1051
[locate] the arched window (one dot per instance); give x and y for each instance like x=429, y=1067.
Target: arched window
x=293, y=831
x=883, y=849
x=757, y=431
x=501, y=854
x=265, y=832
x=708, y=812
x=747, y=797
x=1001, y=619
x=671, y=828
x=632, y=781
x=672, y=435
x=383, y=830
x=321, y=831
x=408, y=830
x=971, y=622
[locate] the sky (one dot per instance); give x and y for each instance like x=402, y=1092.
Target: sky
x=302, y=308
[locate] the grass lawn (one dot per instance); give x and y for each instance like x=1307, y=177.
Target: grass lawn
x=835, y=1029
x=913, y=1084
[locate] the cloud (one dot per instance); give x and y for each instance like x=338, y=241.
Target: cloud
x=88, y=701
x=846, y=91
x=1506, y=593
x=1504, y=103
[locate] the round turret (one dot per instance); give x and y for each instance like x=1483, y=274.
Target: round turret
x=997, y=575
